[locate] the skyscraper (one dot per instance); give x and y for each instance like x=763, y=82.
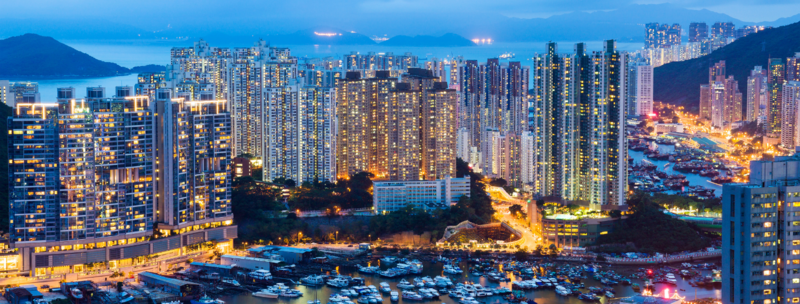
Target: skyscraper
x=298, y=127
x=705, y=102
x=112, y=180
x=756, y=85
x=651, y=35
x=789, y=112
x=396, y=130
x=698, y=31
x=723, y=30
x=644, y=90
x=775, y=78
x=673, y=35
x=578, y=113
x=793, y=68
x=759, y=221
x=718, y=105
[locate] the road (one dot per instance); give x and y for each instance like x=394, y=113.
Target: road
x=501, y=202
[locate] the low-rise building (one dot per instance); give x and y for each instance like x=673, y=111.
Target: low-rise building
x=289, y=255
x=391, y=196
x=174, y=286
x=665, y=128
x=249, y=263
x=570, y=230
x=241, y=167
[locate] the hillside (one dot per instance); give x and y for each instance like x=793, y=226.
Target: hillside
x=446, y=40
x=679, y=82
x=34, y=56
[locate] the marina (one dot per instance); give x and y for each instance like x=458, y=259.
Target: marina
x=486, y=282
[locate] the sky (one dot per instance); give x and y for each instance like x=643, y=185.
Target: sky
x=372, y=17
x=164, y=10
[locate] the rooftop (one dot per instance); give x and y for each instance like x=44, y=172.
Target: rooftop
x=171, y=281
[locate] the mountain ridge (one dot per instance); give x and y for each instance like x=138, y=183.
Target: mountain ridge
x=35, y=56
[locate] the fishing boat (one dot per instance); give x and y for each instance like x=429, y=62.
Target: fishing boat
x=405, y=284
x=313, y=280
x=410, y=295
x=385, y=287
x=394, y=296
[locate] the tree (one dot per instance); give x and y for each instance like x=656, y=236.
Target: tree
x=521, y=255
x=553, y=249
x=498, y=182
x=516, y=209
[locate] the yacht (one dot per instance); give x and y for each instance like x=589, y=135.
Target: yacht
x=394, y=296
x=563, y=291
x=266, y=293
x=389, y=260
x=313, y=280
x=410, y=295
x=338, y=283
x=404, y=285
x=452, y=269
x=291, y=293
x=385, y=287
x=260, y=276
x=609, y=294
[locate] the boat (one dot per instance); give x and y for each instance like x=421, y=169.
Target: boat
x=410, y=295
x=76, y=293
x=260, y=276
x=609, y=294
x=587, y=297
x=313, y=280
x=452, y=269
x=338, y=283
x=267, y=293
x=385, y=287
x=389, y=260
x=125, y=297
x=562, y=291
x=231, y=282
x=394, y=296
x=635, y=287
x=291, y=293
x=205, y=299
x=405, y=285
x=369, y=269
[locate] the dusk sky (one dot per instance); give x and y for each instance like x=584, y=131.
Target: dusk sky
x=151, y=13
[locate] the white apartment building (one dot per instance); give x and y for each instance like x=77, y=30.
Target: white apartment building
x=391, y=196
x=644, y=89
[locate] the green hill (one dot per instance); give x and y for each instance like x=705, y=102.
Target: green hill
x=34, y=56
x=679, y=83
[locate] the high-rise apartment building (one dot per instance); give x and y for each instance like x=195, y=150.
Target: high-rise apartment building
x=756, y=92
x=673, y=35
x=298, y=128
x=793, y=68
x=148, y=84
x=776, y=74
x=732, y=111
x=644, y=90
x=705, y=102
x=579, y=107
x=698, y=31
x=493, y=96
x=112, y=180
x=379, y=62
x=723, y=30
x=789, y=112
x=760, y=244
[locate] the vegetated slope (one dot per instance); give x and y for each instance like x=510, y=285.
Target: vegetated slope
x=679, y=82
x=31, y=55
x=446, y=40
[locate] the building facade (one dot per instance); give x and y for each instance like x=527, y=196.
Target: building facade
x=391, y=196
x=760, y=246
x=112, y=180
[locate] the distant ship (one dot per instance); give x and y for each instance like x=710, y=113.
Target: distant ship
x=507, y=56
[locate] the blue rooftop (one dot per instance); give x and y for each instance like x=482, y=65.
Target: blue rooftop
x=280, y=248
x=198, y=264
